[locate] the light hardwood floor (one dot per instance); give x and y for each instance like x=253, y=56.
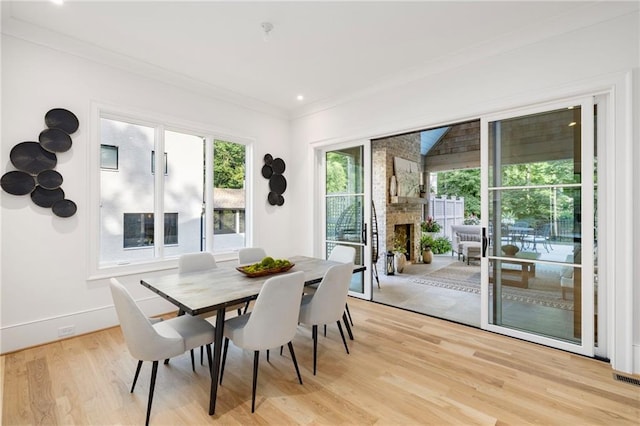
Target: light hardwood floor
x=404, y=368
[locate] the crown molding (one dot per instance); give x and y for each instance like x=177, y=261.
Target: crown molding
x=53, y=40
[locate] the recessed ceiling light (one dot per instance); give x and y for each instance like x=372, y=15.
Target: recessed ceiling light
x=300, y=97
x=58, y=2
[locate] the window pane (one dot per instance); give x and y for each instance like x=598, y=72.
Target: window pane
x=344, y=174
x=537, y=149
x=183, y=193
x=109, y=157
x=128, y=192
x=139, y=229
x=228, y=196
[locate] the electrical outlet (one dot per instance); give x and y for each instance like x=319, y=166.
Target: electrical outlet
x=69, y=330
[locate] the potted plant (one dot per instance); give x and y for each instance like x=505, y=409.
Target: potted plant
x=441, y=245
x=430, y=226
x=400, y=251
x=425, y=247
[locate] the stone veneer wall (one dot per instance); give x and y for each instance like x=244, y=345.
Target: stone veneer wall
x=388, y=215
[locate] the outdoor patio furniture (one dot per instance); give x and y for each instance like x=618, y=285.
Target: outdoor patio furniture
x=540, y=235
x=462, y=235
x=471, y=250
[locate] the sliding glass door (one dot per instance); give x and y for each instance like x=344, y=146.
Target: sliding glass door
x=345, y=208
x=538, y=224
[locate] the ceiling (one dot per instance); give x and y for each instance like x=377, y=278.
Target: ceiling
x=327, y=51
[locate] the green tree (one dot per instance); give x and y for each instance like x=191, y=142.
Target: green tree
x=229, y=165
x=462, y=183
x=533, y=204
x=336, y=172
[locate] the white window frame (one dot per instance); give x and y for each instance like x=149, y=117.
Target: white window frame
x=160, y=124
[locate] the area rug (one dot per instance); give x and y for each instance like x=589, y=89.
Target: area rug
x=543, y=290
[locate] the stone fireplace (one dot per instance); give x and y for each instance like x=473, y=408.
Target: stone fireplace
x=407, y=216
x=405, y=231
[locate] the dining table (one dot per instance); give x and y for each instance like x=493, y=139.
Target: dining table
x=213, y=290
x=518, y=233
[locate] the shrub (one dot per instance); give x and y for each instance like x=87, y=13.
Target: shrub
x=441, y=245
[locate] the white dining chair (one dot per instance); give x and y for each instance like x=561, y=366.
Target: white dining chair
x=160, y=340
x=197, y=262
x=248, y=255
x=272, y=323
x=344, y=254
x=326, y=304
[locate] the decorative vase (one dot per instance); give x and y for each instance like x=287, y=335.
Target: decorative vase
x=399, y=260
x=427, y=256
x=393, y=186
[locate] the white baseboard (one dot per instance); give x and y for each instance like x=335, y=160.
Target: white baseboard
x=38, y=332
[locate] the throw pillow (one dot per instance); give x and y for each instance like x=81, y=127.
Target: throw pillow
x=468, y=237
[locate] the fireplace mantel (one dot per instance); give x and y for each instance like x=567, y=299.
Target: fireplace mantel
x=408, y=200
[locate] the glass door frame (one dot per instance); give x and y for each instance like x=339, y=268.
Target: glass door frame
x=586, y=345
x=320, y=154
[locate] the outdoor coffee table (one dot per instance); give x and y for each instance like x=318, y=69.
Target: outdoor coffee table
x=527, y=269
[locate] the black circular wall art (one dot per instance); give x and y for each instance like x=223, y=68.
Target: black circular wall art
x=49, y=179
x=46, y=197
x=273, y=169
x=36, y=162
x=278, y=166
x=59, y=118
x=55, y=140
x=64, y=208
x=267, y=171
x=273, y=198
x=30, y=157
x=278, y=184
x=18, y=183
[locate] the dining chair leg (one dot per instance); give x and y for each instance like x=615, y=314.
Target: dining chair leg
x=154, y=372
x=280, y=350
x=256, y=360
x=325, y=330
x=342, y=334
x=267, y=355
x=346, y=308
x=135, y=377
x=201, y=354
x=314, y=334
x=295, y=362
x=210, y=361
x=193, y=362
x=224, y=357
x=346, y=325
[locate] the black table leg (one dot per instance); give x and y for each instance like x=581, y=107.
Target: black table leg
x=217, y=351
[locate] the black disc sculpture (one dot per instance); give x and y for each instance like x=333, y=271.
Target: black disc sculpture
x=36, y=162
x=273, y=169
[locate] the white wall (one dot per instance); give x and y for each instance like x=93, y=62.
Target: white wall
x=579, y=62
x=44, y=263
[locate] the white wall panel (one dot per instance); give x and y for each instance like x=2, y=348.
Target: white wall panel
x=583, y=61
x=44, y=258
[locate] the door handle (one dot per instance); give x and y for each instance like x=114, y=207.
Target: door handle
x=364, y=234
x=485, y=242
